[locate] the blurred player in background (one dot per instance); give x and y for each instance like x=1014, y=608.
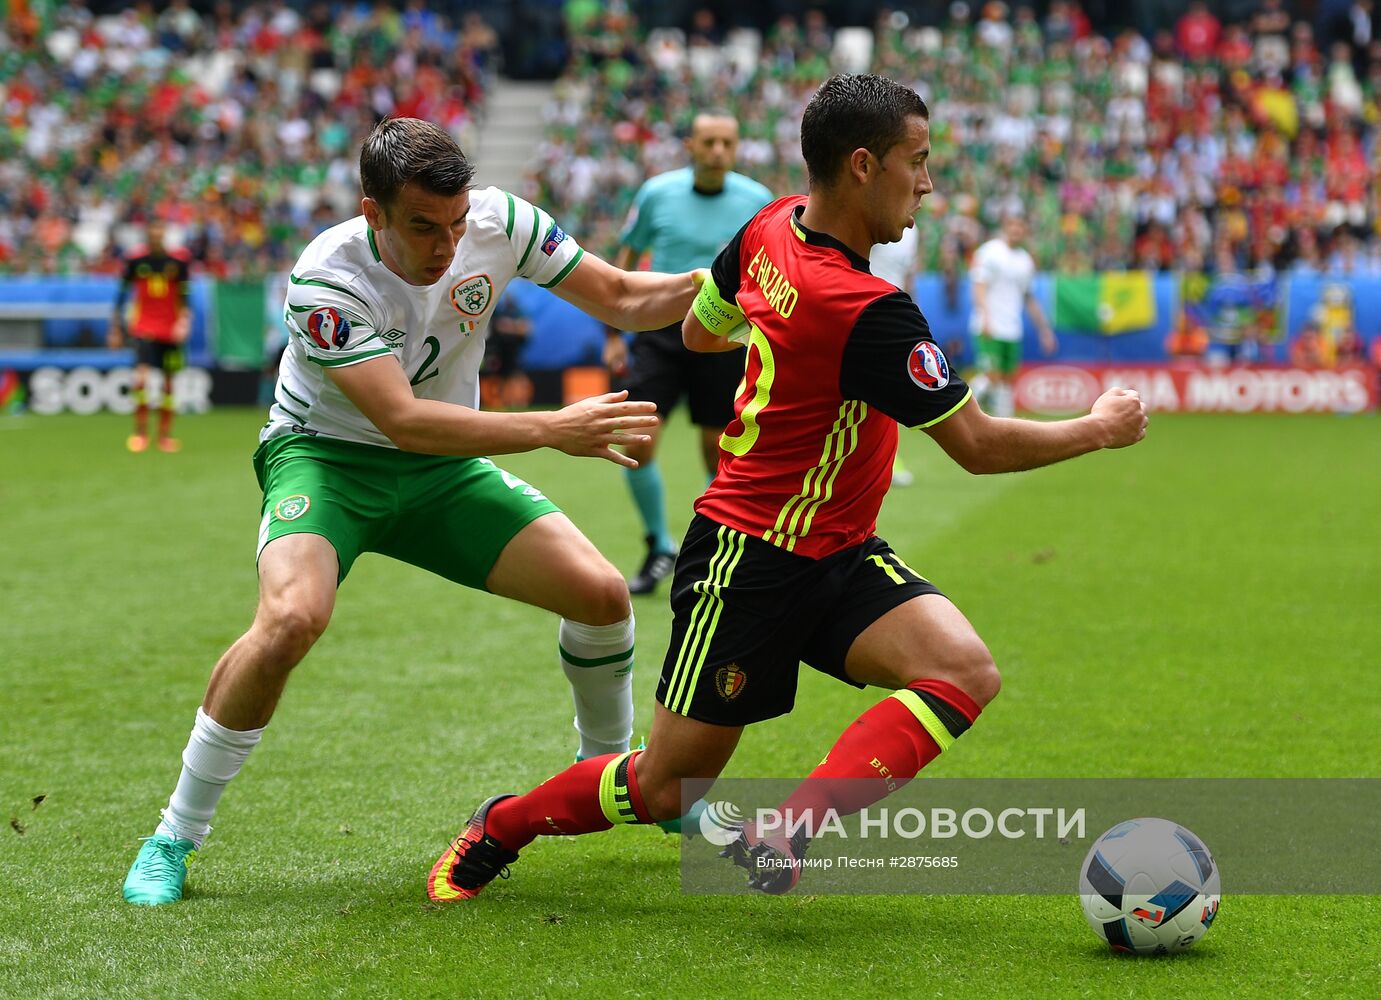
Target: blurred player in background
x=899, y=263
x=373, y=443
x=507, y=386
x=683, y=218
x=781, y=563
x=1000, y=278
x=153, y=308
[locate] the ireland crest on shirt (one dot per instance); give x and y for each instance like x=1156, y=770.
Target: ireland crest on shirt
x=471, y=295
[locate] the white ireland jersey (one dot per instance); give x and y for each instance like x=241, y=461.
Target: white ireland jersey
x=1006, y=273
x=345, y=306
x=896, y=262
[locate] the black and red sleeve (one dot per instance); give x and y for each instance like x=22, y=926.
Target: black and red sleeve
x=892, y=362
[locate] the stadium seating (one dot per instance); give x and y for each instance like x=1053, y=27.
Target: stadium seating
x=241, y=129
x=1212, y=143
x=1208, y=144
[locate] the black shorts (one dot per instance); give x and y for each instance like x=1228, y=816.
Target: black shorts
x=663, y=371
x=158, y=354
x=747, y=614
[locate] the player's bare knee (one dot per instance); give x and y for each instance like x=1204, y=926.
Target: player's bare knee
x=969, y=666
x=985, y=681
x=603, y=597
x=291, y=629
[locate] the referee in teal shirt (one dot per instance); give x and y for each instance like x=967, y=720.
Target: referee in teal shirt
x=683, y=218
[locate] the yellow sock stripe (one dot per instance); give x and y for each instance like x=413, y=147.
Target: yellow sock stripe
x=609, y=803
x=698, y=615
x=856, y=417
x=883, y=565
x=925, y=717
x=808, y=486
x=736, y=541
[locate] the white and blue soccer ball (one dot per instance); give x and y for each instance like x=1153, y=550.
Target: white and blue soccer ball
x=1149, y=887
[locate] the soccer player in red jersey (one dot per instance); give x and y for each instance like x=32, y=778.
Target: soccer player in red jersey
x=159, y=318
x=781, y=564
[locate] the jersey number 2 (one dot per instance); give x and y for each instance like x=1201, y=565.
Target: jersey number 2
x=433, y=347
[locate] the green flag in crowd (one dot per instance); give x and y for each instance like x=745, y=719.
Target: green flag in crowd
x=1109, y=303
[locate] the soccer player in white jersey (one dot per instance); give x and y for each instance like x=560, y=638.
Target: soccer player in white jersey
x=899, y=263
x=374, y=443
x=1000, y=279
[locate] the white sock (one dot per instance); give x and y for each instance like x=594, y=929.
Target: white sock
x=1003, y=401
x=598, y=661
x=213, y=756
x=982, y=391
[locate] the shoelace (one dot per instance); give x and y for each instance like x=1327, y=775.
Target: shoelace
x=161, y=862
x=481, y=862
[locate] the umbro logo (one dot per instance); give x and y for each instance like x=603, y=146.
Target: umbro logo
x=393, y=336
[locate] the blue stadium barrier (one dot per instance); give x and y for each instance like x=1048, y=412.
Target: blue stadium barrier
x=563, y=336
x=69, y=340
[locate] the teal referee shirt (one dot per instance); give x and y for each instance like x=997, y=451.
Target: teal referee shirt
x=685, y=228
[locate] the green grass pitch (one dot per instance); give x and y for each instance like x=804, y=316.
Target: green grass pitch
x=1203, y=604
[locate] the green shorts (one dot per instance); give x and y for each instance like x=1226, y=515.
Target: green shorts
x=998, y=355
x=452, y=516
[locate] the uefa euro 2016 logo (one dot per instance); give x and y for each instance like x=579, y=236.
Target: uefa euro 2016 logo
x=328, y=327
x=928, y=367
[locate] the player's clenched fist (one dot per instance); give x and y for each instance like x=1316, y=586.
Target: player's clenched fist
x=592, y=426
x=1123, y=414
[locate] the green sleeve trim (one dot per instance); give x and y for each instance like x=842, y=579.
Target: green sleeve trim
x=532, y=242
x=565, y=270
x=352, y=317
x=715, y=313
x=326, y=284
x=508, y=228
x=968, y=395
x=352, y=359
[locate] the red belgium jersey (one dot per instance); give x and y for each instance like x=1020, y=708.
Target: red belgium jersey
x=836, y=358
x=158, y=282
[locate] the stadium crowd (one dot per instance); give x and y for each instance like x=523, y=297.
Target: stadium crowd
x=1212, y=145
x=240, y=129
x=1208, y=146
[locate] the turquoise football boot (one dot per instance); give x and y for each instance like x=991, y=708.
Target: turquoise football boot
x=158, y=873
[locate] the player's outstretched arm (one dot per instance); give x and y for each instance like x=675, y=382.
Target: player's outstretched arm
x=629, y=300
x=591, y=427
x=984, y=444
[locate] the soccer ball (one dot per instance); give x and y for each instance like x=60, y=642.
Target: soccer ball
x=1149, y=887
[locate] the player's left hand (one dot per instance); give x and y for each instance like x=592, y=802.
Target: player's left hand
x=182, y=326
x=592, y=427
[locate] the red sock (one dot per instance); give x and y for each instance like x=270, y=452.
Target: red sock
x=884, y=749
x=165, y=421
x=574, y=801
x=141, y=419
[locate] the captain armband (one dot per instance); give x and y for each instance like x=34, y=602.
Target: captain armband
x=719, y=317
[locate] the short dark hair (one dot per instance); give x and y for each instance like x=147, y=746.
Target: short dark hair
x=852, y=111
x=403, y=150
